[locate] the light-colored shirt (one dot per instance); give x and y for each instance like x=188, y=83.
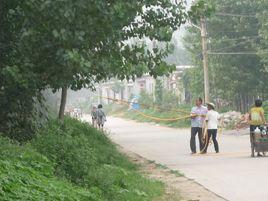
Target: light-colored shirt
x=212, y=119
x=255, y=116
x=201, y=113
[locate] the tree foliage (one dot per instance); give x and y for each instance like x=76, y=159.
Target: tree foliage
x=73, y=44
x=235, y=27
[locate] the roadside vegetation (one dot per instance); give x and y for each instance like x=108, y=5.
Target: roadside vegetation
x=238, y=69
x=123, y=110
x=70, y=161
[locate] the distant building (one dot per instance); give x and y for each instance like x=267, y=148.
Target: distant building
x=125, y=90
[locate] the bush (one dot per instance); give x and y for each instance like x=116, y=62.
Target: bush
x=27, y=175
x=86, y=157
x=146, y=100
x=170, y=100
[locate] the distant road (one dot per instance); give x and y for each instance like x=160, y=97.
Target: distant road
x=232, y=173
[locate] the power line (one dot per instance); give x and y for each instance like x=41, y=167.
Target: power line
x=240, y=38
x=235, y=15
x=234, y=32
x=238, y=53
x=235, y=45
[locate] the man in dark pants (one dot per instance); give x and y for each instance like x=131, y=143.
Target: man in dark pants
x=198, y=114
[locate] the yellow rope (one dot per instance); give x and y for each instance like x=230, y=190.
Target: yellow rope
x=154, y=106
x=205, y=135
x=149, y=116
x=162, y=119
x=204, y=131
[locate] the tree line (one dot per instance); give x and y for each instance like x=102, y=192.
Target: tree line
x=68, y=44
x=238, y=53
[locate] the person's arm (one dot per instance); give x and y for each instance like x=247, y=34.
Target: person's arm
x=104, y=115
x=249, y=116
x=262, y=116
x=193, y=114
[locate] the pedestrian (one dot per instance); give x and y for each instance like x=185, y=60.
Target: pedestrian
x=198, y=114
x=256, y=119
x=94, y=116
x=101, y=117
x=212, y=121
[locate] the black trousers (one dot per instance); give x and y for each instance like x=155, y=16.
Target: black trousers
x=194, y=131
x=213, y=133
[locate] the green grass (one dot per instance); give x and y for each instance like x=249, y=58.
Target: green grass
x=71, y=161
x=176, y=172
x=27, y=175
x=161, y=166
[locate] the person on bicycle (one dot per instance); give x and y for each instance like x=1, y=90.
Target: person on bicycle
x=256, y=118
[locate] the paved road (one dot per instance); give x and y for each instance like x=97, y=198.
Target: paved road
x=232, y=173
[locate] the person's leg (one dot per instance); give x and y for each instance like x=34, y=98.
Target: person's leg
x=251, y=133
x=252, y=140
x=261, y=128
x=215, y=142
x=200, y=137
x=207, y=141
x=192, y=140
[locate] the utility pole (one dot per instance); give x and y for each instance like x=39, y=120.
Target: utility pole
x=205, y=57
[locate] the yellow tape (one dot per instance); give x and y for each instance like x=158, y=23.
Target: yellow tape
x=162, y=119
x=154, y=106
x=204, y=132
x=149, y=116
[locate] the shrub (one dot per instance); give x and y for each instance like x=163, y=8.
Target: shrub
x=146, y=100
x=86, y=157
x=27, y=175
x=170, y=100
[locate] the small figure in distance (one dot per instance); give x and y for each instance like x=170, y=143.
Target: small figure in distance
x=198, y=114
x=212, y=120
x=94, y=116
x=256, y=119
x=101, y=117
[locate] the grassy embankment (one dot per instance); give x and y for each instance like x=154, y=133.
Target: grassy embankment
x=122, y=111
x=71, y=161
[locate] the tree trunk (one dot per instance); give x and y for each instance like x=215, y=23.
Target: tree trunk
x=63, y=102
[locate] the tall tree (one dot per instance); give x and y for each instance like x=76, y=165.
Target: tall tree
x=236, y=71
x=73, y=44
x=19, y=93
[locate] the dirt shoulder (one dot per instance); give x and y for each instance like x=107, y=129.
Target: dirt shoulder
x=178, y=187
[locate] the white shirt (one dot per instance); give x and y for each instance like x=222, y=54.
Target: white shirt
x=212, y=119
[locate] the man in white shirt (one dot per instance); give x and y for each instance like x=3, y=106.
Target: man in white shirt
x=212, y=120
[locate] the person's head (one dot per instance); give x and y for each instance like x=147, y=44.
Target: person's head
x=94, y=108
x=100, y=106
x=258, y=103
x=210, y=106
x=198, y=102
